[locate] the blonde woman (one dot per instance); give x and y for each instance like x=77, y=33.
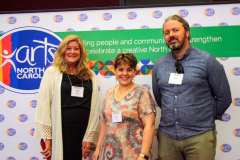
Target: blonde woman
x=67, y=112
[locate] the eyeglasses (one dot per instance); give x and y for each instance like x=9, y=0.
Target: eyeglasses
x=179, y=67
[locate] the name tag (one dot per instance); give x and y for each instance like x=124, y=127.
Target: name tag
x=116, y=117
x=77, y=91
x=175, y=78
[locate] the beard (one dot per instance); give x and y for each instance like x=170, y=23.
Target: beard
x=176, y=44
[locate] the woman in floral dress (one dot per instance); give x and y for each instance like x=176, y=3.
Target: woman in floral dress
x=127, y=116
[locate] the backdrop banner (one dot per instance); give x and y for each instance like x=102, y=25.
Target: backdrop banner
x=29, y=40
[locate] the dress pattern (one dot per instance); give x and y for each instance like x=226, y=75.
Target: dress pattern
x=123, y=139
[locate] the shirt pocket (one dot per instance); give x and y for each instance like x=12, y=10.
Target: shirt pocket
x=197, y=116
x=167, y=117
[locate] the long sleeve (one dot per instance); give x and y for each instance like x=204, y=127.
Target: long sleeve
x=219, y=86
x=155, y=88
x=43, y=110
x=93, y=123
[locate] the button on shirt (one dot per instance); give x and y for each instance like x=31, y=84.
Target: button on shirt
x=190, y=108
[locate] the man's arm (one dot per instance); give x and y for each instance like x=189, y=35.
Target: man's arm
x=155, y=89
x=219, y=86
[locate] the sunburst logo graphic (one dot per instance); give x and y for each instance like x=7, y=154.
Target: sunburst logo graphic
x=144, y=26
x=146, y=67
x=32, y=131
x=226, y=117
x=11, y=158
x=2, y=90
x=11, y=131
x=58, y=18
x=22, y=146
x=235, y=11
x=35, y=19
x=157, y=14
x=107, y=16
x=11, y=104
x=183, y=13
x=12, y=20
x=95, y=28
x=33, y=103
x=236, y=101
x=196, y=25
x=2, y=118
x=236, y=132
x=223, y=24
x=236, y=71
x=22, y=118
x=209, y=12
x=1, y=146
x=119, y=27
x=132, y=15
x=226, y=147
x=70, y=29
x=83, y=17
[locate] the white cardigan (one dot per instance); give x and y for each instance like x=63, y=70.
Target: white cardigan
x=48, y=112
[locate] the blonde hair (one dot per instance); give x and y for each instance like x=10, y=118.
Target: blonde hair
x=82, y=70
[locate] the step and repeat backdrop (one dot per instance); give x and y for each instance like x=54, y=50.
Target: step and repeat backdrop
x=28, y=42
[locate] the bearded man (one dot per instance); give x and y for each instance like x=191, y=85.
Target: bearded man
x=191, y=88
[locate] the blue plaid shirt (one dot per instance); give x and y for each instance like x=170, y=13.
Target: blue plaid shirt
x=192, y=107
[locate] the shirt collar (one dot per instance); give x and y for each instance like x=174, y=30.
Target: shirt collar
x=187, y=53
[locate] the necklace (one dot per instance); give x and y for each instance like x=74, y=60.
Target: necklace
x=121, y=92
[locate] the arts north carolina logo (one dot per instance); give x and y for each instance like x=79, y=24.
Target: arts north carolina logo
x=24, y=55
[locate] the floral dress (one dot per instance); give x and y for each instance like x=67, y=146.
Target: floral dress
x=123, y=139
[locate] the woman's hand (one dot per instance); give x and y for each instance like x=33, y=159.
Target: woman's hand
x=47, y=151
x=96, y=154
x=87, y=148
x=140, y=158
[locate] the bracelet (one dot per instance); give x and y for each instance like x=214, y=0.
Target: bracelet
x=142, y=155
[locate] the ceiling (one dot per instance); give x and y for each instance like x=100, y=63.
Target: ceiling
x=9, y=6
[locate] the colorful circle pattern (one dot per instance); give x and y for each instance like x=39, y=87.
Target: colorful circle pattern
x=112, y=148
x=11, y=131
x=226, y=117
x=11, y=104
x=2, y=118
x=22, y=146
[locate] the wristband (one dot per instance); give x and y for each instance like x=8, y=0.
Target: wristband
x=142, y=155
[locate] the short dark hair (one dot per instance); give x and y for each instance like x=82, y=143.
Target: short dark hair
x=126, y=58
x=179, y=19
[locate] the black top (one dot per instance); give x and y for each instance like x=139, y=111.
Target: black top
x=80, y=105
x=75, y=115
